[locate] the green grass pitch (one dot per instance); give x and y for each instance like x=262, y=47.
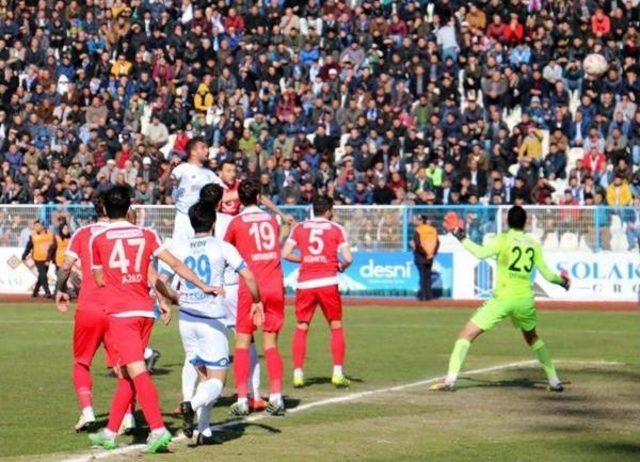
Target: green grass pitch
x=503, y=415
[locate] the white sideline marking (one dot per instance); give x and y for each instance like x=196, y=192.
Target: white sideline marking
x=338, y=399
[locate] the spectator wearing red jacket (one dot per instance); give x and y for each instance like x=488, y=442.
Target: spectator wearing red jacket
x=600, y=24
x=496, y=28
x=514, y=32
x=594, y=162
x=234, y=20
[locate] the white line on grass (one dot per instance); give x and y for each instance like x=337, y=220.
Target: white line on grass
x=338, y=399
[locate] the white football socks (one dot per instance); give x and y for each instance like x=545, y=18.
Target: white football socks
x=337, y=370
x=147, y=353
x=204, y=419
x=451, y=379
x=189, y=380
x=88, y=414
x=206, y=393
x=254, y=376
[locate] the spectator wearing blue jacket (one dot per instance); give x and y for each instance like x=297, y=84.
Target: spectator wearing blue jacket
x=14, y=156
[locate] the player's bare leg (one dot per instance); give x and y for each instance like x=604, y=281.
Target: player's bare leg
x=275, y=370
x=299, y=351
x=338, y=347
x=467, y=335
x=544, y=357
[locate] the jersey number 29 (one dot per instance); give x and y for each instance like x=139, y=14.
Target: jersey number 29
x=202, y=267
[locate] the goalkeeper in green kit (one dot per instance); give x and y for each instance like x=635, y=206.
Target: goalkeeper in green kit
x=517, y=255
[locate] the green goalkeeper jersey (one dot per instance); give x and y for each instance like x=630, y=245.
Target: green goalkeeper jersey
x=517, y=255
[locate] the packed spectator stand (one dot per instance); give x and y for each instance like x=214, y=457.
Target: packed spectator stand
x=370, y=102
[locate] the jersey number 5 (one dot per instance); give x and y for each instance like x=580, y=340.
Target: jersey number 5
x=264, y=235
x=316, y=243
x=118, y=258
x=515, y=266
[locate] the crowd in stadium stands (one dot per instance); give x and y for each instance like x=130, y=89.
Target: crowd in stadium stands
x=370, y=102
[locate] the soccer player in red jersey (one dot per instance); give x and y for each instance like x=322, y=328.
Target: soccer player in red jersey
x=256, y=236
x=91, y=322
x=121, y=257
x=230, y=203
x=319, y=241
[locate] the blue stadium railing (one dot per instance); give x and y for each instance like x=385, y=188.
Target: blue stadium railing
x=596, y=227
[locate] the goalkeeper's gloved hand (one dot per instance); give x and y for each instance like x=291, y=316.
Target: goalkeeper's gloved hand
x=566, y=280
x=454, y=224
x=459, y=233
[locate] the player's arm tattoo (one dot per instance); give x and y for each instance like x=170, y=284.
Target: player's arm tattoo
x=64, y=273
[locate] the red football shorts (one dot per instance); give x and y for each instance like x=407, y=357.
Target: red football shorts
x=273, y=301
x=90, y=329
x=328, y=297
x=129, y=337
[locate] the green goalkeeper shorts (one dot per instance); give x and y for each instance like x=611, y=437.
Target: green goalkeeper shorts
x=522, y=312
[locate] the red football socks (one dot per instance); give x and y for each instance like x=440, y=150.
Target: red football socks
x=338, y=346
x=241, y=369
x=147, y=397
x=83, y=384
x=275, y=369
x=299, y=347
x=121, y=403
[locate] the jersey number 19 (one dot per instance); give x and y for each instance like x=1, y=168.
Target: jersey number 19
x=264, y=235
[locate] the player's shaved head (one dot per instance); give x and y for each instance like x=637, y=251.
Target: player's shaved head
x=117, y=201
x=98, y=203
x=211, y=194
x=517, y=217
x=322, y=205
x=202, y=217
x=248, y=192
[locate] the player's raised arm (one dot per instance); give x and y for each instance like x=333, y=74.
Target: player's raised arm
x=268, y=203
x=455, y=226
x=561, y=279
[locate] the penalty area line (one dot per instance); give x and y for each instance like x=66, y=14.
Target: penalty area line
x=103, y=454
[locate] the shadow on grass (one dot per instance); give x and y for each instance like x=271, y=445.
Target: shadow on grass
x=471, y=382
x=312, y=381
x=234, y=430
x=619, y=448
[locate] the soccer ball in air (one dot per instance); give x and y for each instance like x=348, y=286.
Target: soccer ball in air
x=595, y=65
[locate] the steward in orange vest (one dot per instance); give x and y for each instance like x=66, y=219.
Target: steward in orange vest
x=425, y=246
x=39, y=246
